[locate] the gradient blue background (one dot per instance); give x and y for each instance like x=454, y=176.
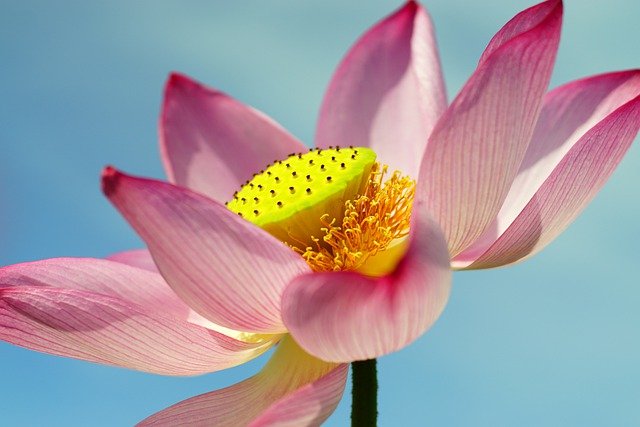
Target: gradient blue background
x=553, y=341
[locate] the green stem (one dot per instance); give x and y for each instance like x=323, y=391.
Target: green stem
x=364, y=394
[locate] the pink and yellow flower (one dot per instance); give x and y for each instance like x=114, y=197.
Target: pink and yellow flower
x=333, y=263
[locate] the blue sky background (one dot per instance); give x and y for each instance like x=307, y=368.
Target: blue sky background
x=553, y=341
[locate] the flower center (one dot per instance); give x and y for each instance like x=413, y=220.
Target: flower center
x=333, y=207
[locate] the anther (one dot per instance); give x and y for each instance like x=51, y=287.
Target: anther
x=308, y=191
x=288, y=165
x=273, y=193
x=353, y=156
x=342, y=165
x=294, y=173
x=243, y=200
x=322, y=167
x=292, y=190
x=279, y=204
x=333, y=158
x=256, y=212
x=269, y=173
x=328, y=179
x=277, y=179
x=259, y=186
x=240, y=214
x=311, y=161
x=308, y=177
x=255, y=199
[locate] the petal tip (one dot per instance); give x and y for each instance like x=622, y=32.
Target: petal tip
x=110, y=180
x=177, y=80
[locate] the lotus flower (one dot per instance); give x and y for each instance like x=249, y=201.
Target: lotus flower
x=320, y=254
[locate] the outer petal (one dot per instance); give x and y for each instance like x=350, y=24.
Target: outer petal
x=212, y=143
x=71, y=307
x=346, y=316
x=388, y=91
x=140, y=258
x=478, y=144
x=584, y=130
x=292, y=389
x=225, y=268
x=98, y=276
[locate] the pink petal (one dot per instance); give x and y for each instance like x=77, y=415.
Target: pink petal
x=110, y=278
x=584, y=130
x=388, y=91
x=310, y=405
x=212, y=143
x=225, y=268
x=292, y=389
x=476, y=147
x=346, y=316
x=140, y=258
x=105, y=329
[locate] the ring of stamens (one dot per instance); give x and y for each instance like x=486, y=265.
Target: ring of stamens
x=371, y=223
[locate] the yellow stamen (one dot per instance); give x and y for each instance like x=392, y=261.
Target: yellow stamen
x=371, y=223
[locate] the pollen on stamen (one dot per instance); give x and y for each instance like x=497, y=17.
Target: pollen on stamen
x=371, y=222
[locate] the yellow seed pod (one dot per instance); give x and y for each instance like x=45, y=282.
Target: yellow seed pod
x=288, y=198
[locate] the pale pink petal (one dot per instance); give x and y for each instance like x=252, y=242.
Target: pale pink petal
x=212, y=143
x=225, y=268
x=310, y=405
x=478, y=144
x=346, y=316
x=105, y=329
x=388, y=91
x=140, y=258
x=294, y=388
x=134, y=285
x=584, y=130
